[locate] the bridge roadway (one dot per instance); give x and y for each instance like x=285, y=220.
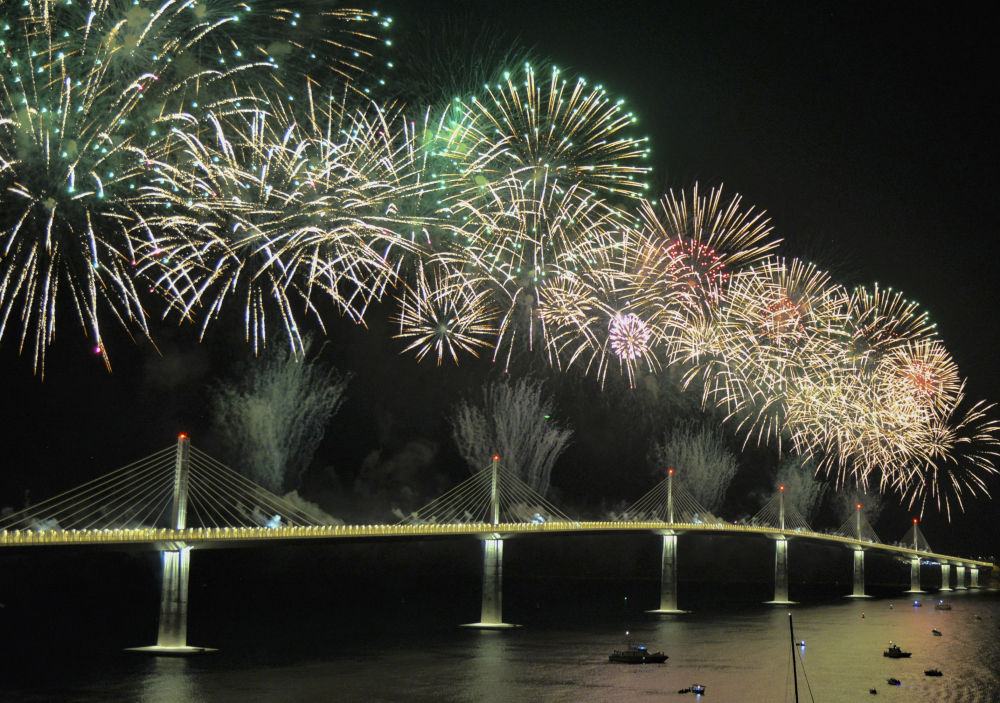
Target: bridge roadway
x=163, y=538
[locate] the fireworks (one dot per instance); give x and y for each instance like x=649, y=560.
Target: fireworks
x=445, y=312
x=779, y=323
x=272, y=211
x=541, y=135
x=681, y=258
x=213, y=156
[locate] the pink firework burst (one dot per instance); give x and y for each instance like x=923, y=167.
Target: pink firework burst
x=629, y=336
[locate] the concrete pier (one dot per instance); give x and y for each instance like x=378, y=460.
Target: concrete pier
x=859, y=575
x=960, y=577
x=668, y=577
x=491, y=613
x=974, y=576
x=780, y=573
x=945, y=576
x=915, y=576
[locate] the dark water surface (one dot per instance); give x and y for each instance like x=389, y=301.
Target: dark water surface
x=304, y=628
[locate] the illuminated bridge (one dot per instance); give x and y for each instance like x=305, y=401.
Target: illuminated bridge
x=180, y=498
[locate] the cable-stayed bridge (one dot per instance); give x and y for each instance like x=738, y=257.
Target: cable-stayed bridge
x=180, y=498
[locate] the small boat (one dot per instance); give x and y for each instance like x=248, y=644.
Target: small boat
x=872, y=691
x=941, y=605
x=693, y=688
x=936, y=632
x=636, y=654
x=932, y=672
x=894, y=652
x=917, y=604
x=894, y=682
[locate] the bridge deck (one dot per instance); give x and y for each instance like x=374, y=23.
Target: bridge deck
x=193, y=537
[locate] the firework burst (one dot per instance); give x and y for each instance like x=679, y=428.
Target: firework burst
x=779, y=323
x=544, y=134
x=275, y=210
x=72, y=90
x=680, y=261
x=446, y=312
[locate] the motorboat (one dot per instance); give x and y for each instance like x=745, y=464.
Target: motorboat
x=894, y=652
x=932, y=672
x=636, y=654
x=942, y=605
x=936, y=632
x=894, y=682
x=693, y=688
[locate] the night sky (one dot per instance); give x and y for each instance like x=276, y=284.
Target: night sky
x=867, y=135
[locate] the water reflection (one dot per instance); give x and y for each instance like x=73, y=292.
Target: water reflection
x=169, y=680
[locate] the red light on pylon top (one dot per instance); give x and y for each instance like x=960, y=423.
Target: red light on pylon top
x=182, y=435
x=670, y=471
x=781, y=488
x=496, y=457
x=914, y=521
x=859, y=506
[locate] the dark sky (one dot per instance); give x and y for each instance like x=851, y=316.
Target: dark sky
x=868, y=135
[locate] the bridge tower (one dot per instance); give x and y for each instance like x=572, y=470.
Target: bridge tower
x=915, y=560
x=668, y=556
x=860, y=535
x=171, y=636
x=491, y=613
x=781, y=557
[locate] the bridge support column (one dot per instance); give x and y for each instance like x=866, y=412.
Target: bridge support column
x=174, y=598
x=668, y=577
x=491, y=614
x=974, y=576
x=960, y=577
x=946, y=577
x=781, y=573
x=915, y=575
x=859, y=575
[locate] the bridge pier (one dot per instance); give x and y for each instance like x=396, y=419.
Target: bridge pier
x=915, y=576
x=491, y=613
x=974, y=576
x=945, y=576
x=960, y=577
x=781, y=573
x=859, y=574
x=668, y=576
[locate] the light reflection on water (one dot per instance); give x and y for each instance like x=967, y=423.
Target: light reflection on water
x=739, y=656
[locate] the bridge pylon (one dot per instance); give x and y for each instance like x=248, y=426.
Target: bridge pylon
x=859, y=529
x=916, y=537
x=171, y=638
x=776, y=514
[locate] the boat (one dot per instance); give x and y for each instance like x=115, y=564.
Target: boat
x=893, y=682
x=941, y=605
x=636, y=654
x=917, y=604
x=932, y=672
x=894, y=652
x=936, y=632
x=693, y=688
